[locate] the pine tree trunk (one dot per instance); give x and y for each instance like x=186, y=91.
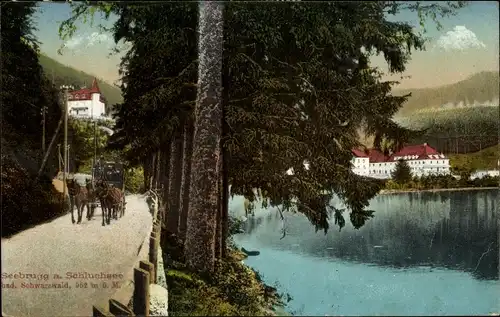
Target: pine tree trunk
x=164, y=168
x=203, y=194
x=157, y=169
x=218, y=228
x=151, y=171
x=186, y=175
x=147, y=171
x=225, y=164
x=166, y=172
x=174, y=190
x=163, y=193
x=145, y=174
x=225, y=203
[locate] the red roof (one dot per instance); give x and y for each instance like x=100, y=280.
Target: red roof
x=85, y=93
x=412, y=152
x=373, y=155
x=376, y=156
x=359, y=153
x=416, y=152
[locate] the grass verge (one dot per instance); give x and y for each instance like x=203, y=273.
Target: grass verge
x=233, y=290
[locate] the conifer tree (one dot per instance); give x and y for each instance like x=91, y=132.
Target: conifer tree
x=402, y=172
x=291, y=95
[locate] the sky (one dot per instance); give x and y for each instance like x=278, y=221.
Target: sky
x=468, y=43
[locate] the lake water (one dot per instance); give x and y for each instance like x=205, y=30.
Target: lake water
x=421, y=254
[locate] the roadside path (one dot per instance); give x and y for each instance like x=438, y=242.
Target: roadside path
x=60, y=247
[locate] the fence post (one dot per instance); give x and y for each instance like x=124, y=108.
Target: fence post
x=153, y=255
x=118, y=309
x=150, y=268
x=141, y=292
x=100, y=312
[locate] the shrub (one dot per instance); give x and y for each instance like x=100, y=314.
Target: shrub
x=232, y=290
x=25, y=202
x=134, y=179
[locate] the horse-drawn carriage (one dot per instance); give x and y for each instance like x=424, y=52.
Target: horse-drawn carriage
x=111, y=172
x=110, y=175
x=104, y=190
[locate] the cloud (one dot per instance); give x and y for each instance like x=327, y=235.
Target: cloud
x=86, y=41
x=97, y=37
x=74, y=42
x=459, y=39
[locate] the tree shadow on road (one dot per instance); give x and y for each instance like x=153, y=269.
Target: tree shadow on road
x=26, y=204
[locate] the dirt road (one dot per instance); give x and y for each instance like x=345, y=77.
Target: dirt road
x=88, y=258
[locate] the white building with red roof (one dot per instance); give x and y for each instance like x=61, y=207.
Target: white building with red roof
x=361, y=162
x=422, y=159
x=87, y=102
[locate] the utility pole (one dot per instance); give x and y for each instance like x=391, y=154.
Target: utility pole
x=95, y=149
x=94, y=141
x=59, y=156
x=65, y=147
x=67, y=159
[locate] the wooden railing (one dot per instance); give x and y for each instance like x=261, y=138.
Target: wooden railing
x=144, y=274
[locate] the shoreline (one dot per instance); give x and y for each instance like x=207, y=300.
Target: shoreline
x=403, y=191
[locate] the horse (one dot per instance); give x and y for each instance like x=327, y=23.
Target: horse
x=122, y=203
x=101, y=192
x=112, y=200
x=79, y=197
x=92, y=198
x=117, y=201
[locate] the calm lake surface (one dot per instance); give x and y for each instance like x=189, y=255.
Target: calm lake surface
x=421, y=254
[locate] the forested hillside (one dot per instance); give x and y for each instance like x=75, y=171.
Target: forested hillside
x=25, y=91
x=480, y=88
x=459, y=118
x=62, y=74
x=461, y=130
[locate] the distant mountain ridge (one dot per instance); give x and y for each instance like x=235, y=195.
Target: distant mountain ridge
x=65, y=75
x=477, y=90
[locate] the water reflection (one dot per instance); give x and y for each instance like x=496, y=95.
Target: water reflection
x=453, y=230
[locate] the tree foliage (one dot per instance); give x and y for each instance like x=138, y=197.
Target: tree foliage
x=82, y=139
x=458, y=130
x=293, y=95
x=25, y=89
x=25, y=93
x=167, y=89
x=402, y=172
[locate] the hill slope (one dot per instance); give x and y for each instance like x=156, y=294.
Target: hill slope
x=461, y=130
x=480, y=88
x=485, y=159
x=66, y=75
